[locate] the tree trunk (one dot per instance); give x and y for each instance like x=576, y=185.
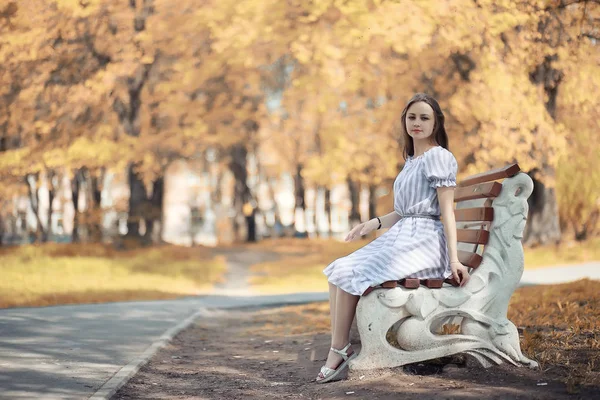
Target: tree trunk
x=85, y=222
x=243, y=203
x=34, y=202
x=251, y=225
x=252, y=206
x=319, y=149
x=354, y=201
x=587, y=229
x=542, y=224
x=315, y=220
x=94, y=210
x=216, y=195
x=372, y=202
x=3, y=147
x=299, y=188
x=137, y=203
x=264, y=179
x=156, y=210
x=1, y=230
x=75, y=188
x=299, y=195
x=51, y=194
x=328, y=211
x=128, y=111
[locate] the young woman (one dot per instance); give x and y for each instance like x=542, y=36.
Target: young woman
x=418, y=245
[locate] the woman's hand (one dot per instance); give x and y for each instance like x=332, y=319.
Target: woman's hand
x=460, y=273
x=355, y=232
x=362, y=229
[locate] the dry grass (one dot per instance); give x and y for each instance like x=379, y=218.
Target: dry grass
x=301, y=267
x=565, y=253
x=560, y=327
x=292, y=321
x=50, y=274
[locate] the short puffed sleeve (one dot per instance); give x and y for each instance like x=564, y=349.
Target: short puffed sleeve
x=440, y=168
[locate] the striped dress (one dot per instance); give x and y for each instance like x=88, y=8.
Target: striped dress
x=413, y=247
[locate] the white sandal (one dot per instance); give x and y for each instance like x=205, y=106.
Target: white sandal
x=327, y=374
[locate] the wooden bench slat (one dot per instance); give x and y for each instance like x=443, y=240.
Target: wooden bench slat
x=452, y=281
x=482, y=224
x=433, y=283
x=474, y=236
x=478, y=191
x=492, y=175
x=472, y=260
x=389, y=284
x=410, y=283
x=474, y=214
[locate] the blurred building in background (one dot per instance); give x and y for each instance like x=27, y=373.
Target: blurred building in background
x=190, y=215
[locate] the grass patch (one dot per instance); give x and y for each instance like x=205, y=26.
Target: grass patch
x=51, y=274
x=301, y=267
x=564, y=253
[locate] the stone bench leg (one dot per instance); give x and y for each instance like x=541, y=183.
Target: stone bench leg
x=373, y=321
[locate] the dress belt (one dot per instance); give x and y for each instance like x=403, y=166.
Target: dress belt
x=427, y=216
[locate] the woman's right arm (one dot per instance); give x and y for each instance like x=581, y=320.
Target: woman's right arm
x=387, y=221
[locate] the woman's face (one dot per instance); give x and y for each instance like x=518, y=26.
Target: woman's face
x=420, y=121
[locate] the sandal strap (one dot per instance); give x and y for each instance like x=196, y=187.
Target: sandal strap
x=326, y=371
x=343, y=352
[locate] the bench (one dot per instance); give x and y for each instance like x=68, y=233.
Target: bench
x=434, y=318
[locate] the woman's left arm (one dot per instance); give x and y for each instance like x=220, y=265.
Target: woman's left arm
x=446, y=200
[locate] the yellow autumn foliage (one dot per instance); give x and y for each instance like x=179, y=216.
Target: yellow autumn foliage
x=516, y=79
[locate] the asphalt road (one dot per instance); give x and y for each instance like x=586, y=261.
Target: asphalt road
x=69, y=352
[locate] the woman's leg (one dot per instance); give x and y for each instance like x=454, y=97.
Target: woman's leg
x=345, y=308
x=332, y=302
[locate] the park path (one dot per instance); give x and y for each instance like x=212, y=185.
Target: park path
x=73, y=352
x=561, y=274
x=237, y=277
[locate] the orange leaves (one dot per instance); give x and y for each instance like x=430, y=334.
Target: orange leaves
x=79, y=8
x=99, y=152
x=72, y=75
x=301, y=52
x=9, y=10
x=15, y=162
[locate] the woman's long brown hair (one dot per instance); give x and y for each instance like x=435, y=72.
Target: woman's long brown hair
x=439, y=134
